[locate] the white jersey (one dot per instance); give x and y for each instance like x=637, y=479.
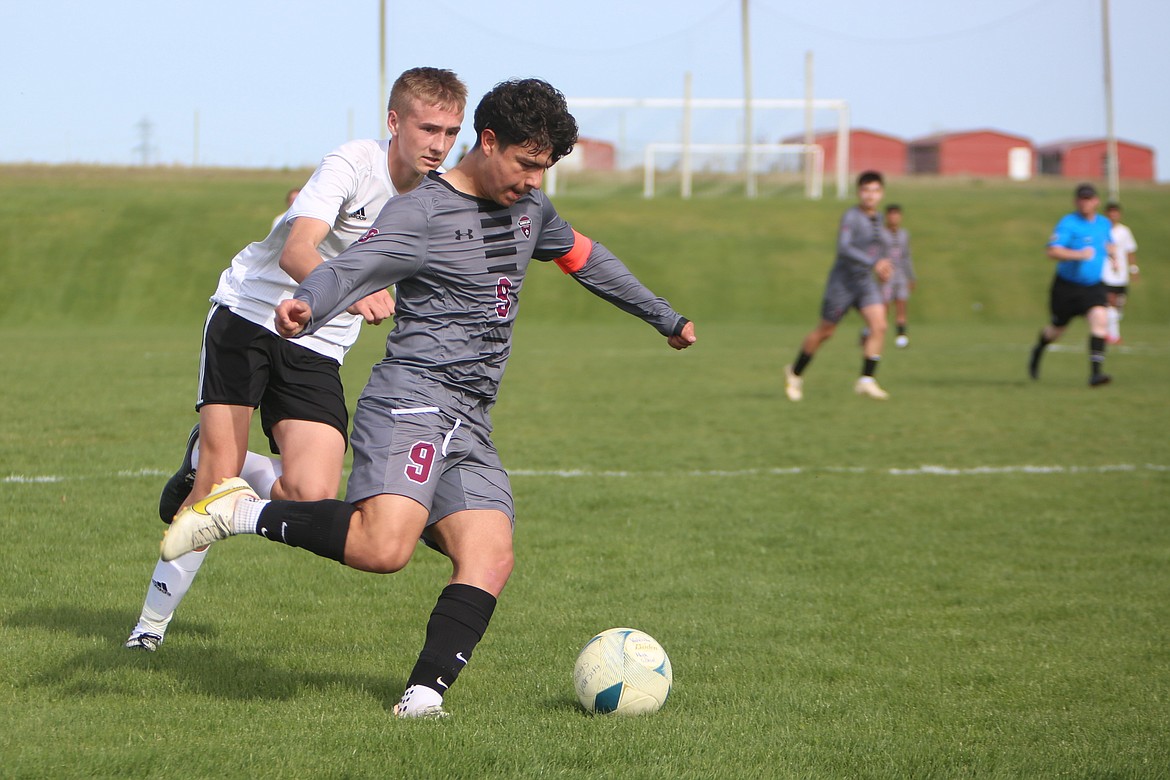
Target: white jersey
x=348, y=190
x=1116, y=271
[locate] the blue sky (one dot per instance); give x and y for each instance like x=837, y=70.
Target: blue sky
x=278, y=84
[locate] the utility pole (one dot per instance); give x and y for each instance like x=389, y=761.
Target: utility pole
x=1112, y=172
x=381, y=69
x=748, y=152
x=144, y=146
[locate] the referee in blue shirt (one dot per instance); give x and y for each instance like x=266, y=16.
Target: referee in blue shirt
x=1080, y=245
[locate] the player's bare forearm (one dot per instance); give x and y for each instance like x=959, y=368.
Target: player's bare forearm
x=292, y=316
x=1063, y=253
x=300, y=255
x=883, y=269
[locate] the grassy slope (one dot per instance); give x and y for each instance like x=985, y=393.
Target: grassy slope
x=144, y=247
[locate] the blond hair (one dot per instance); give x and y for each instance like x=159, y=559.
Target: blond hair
x=430, y=87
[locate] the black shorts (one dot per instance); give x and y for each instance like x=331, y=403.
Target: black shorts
x=244, y=364
x=1070, y=300
x=1116, y=289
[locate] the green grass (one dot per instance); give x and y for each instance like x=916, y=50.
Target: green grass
x=845, y=588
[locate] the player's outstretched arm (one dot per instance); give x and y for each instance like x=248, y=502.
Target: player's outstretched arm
x=292, y=317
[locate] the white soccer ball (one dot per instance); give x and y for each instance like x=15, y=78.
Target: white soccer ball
x=623, y=671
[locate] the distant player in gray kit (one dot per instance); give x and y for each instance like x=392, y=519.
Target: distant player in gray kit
x=896, y=290
x=458, y=247
x=863, y=253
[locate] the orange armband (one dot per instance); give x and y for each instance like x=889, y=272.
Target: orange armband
x=574, y=260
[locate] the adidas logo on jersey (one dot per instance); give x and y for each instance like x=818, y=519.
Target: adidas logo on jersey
x=359, y=214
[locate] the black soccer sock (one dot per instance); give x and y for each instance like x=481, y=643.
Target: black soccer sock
x=318, y=526
x=802, y=361
x=1042, y=342
x=902, y=330
x=1096, y=354
x=869, y=367
x=457, y=623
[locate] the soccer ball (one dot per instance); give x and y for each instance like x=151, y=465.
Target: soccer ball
x=623, y=671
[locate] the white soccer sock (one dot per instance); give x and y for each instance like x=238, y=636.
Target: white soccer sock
x=1114, y=319
x=168, y=585
x=247, y=515
x=261, y=472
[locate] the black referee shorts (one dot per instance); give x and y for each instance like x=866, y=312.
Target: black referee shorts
x=1070, y=300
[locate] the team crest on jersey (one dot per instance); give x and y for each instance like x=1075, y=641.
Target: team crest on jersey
x=525, y=225
x=368, y=235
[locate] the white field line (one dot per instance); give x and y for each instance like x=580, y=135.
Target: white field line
x=925, y=470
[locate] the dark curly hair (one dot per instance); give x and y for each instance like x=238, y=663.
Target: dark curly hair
x=529, y=112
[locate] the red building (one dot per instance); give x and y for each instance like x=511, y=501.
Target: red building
x=972, y=153
x=590, y=155
x=1085, y=159
x=868, y=151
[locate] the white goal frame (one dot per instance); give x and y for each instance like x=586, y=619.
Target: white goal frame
x=816, y=188
x=688, y=104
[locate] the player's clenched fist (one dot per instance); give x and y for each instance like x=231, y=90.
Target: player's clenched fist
x=292, y=316
x=683, y=339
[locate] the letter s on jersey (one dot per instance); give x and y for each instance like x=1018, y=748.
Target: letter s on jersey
x=503, y=297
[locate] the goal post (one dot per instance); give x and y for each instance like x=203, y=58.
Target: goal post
x=810, y=155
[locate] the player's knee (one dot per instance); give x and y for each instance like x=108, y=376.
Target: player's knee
x=388, y=558
x=304, y=491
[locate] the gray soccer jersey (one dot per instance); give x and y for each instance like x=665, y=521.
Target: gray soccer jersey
x=459, y=263
x=899, y=248
x=861, y=242
x=897, y=287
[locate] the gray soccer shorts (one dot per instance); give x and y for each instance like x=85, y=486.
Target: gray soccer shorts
x=896, y=289
x=846, y=290
x=410, y=449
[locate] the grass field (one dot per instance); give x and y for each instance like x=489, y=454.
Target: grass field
x=968, y=580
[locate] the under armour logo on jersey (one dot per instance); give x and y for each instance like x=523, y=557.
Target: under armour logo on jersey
x=459, y=236
x=359, y=214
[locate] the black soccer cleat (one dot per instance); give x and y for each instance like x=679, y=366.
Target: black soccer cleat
x=178, y=487
x=1034, y=362
x=1099, y=379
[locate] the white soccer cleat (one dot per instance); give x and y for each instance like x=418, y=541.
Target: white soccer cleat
x=793, y=385
x=902, y=341
x=207, y=520
x=867, y=385
x=419, y=701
